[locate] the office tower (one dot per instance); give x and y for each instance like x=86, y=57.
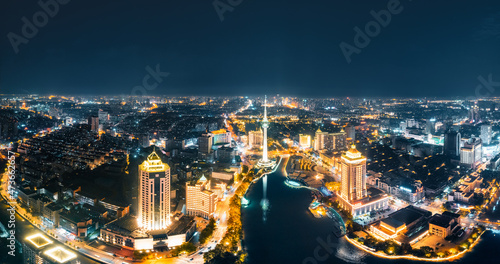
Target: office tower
x=205, y=143
x=412, y=123
x=200, y=199
x=144, y=140
x=430, y=126
x=474, y=116
x=103, y=116
x=304, y=141
x=221, y=136
x=255, y=138
x=451, y=146
x=337, y=141
x=93, y=122
x=226, y=155
x=471, y=152
x=320, y=140
x=353, y=171
x=351, y=132
x=486, y=134
x=154, y=193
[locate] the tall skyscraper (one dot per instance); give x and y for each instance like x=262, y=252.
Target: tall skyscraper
x=320, y=140
x=451, y=146
x=205, y=143
x=471, y=152
x=353, y=169
x=474, y=116
x=486, y=134
x=304, y=141
x=353, y=196
x=430, y=125
x=337, y=141
x=351, y=132
x=93, y=122
x=103, y=116
x=154, y=193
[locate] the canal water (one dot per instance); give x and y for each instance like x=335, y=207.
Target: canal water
x=291, y=234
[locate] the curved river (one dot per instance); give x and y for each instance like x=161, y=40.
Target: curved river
x=291, y=234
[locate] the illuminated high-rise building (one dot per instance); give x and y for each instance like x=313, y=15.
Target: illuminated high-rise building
x=304, y=141
x=201, y=198
x=221, y=136
x=486, y=134
x=353, y=168
x=471, y=152
x=353, y=195
x=154, y=193
x=337, y=141
x=320, y=140
x=255, y=138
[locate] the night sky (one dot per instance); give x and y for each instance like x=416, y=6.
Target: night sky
x=290, y=47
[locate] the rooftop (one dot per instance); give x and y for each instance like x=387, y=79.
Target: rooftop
x=409, y=214
x=39, y=240
x=394, y=223
x=60, y=255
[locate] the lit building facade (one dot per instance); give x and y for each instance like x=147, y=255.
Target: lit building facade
x=221, y=136
x=320, y=140
x=353, y=192
x=154, y=194
x=255, y=139
x=353, y=169
x=471, y=152
x=304, y=141
x=486, y=134
x=338, y=141
x=201, y=200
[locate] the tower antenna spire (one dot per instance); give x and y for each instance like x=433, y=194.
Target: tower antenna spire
x=265, y=107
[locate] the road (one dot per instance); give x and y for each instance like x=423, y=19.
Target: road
x=63, y=236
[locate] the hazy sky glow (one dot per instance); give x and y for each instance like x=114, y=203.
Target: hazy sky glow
x=291, y=47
